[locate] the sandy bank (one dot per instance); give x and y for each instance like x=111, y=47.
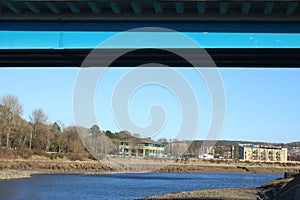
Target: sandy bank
x=13, y=174
x=224, y=194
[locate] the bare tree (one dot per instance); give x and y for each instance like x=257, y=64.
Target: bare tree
x=38, y=120
x=20, y=134
x=3, y=127
x=14, y=110
x=38, y=116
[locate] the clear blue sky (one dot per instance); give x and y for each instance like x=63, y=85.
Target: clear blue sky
x=261, y=104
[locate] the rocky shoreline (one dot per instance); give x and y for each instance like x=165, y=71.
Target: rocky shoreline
x=283, y=188
x=270, y=190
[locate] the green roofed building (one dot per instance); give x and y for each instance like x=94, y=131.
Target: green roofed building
x=142, y=147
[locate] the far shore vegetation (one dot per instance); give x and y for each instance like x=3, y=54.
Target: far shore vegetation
x=22, y=139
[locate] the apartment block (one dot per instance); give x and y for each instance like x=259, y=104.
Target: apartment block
x=262, y=153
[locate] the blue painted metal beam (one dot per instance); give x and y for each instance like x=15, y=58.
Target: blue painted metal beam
x=136, y=7
x=157, y=7
x=94, y=8
x=52, y=7
x=89, y=40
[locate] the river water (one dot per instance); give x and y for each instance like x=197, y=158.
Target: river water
x=122, y=186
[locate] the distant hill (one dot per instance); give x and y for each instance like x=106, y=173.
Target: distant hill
x=293, y=144
x=198, y=143
x=236, y=142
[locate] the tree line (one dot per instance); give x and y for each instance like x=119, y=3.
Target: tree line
x=39, y=135
x=36, y=134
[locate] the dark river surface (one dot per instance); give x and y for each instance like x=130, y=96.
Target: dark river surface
x=122, y=186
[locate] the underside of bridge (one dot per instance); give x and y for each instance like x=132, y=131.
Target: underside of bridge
x=232, y=16
x=150, y=10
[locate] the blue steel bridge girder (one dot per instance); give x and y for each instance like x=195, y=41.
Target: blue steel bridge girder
x=67, y=18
